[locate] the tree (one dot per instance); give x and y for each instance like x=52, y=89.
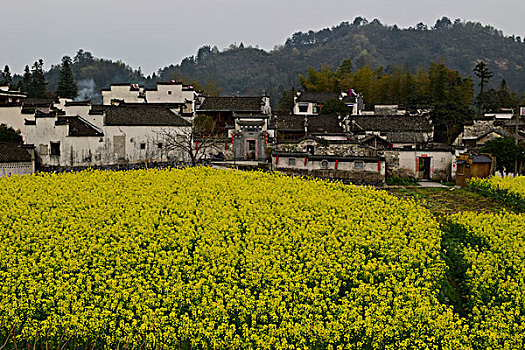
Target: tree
x=37, y=86
x=443, y=23
x=482, y=72
x=8, y=134
x=335, y=106
x=506, y=152
x=7, y=79
x=67, y=87
x=286, y=103
x=448, y=118
x=23, y=85
x=193, y=142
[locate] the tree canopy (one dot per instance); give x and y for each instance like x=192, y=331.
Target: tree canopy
x=67, y=87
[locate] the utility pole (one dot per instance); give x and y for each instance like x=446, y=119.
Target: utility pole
x=516, y=135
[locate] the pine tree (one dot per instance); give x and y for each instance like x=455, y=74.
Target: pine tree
x=37, y=86
x=23, y=85
x=7, y=79
x=67, y=87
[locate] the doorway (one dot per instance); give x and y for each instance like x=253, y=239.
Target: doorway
x=250, y=150
x=424, y=168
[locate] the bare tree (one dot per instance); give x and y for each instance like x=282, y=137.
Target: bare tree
x=192, y=142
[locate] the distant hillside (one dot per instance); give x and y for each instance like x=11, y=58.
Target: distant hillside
x=458, y=45
x=250, y=71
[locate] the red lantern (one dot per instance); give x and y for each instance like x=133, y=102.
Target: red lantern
x=233, y=135
x=197, y=145
x=305, y=160
x=336, y=163
x=276, y=160
x=226, y=145
x=265, y=138
x=379, y=166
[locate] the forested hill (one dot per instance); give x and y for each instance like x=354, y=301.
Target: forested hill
x=459, y=45
x=250, y=71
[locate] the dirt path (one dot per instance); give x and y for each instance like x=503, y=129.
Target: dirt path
x=444, y=201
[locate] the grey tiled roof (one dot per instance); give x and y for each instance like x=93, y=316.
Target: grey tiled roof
x=79, y=126
x=13, y=152
x=232, y=104
x=390, y=123
x=142, y=115
x=317, y=97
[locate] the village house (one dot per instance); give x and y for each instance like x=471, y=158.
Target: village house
x=243, y=125
x=310, y=103
x=9, y=96
x=16, y=159
x=320, y=146
x=175, y=94
x=490, y=126
x=123, y=134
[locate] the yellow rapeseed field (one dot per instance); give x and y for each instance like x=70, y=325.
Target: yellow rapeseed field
x=490, y=253
x=215, y=259
x=508, y=189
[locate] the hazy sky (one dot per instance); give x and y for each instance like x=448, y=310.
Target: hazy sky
x=154, y=33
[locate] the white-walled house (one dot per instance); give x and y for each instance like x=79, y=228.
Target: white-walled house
x=310, y=103
x=122, y=134
x=164, y=93
x=16, y=159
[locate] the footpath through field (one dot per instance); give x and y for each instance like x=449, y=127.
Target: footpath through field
x=442, y=200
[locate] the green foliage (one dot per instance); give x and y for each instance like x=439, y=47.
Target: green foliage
x=7, y=79
x=67, y=87
x=37, y=85
x=506, y=152
x=8, y=134
x=335, y=106
x=286, y=103
x=455, y=43
x=401, y=181
x=26, y=80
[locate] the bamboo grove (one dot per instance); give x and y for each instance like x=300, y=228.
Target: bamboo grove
x=214, y=259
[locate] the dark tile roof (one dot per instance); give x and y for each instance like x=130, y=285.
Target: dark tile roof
x=13, y=152
x=481, y=159
x=142, y=115
x=287, y=122
x=37, y=102
x=324, y=124
x=232, y=104
x=79, y=126
x=390, y=123
x=98, y=109
x=317, y=124
x=78, y=103
x=405, y=137
x=317, y=97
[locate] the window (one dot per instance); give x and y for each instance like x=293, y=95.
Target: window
x=159, y=145
x=324, y=164
x=310, y=149
x=142, y=145
x=291, y=161
x=169, y=92
x=359, y=165
x=55, y=148
x=303, y=107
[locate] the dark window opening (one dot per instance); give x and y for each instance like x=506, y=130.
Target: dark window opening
x=291, y=161
x=159, y=145
x=55, y=148
x=143, y=146
x=359, y=165
x=303, y=108
x=310, y=149
x=169, y=92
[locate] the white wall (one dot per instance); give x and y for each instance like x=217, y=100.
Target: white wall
x=19, y=168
